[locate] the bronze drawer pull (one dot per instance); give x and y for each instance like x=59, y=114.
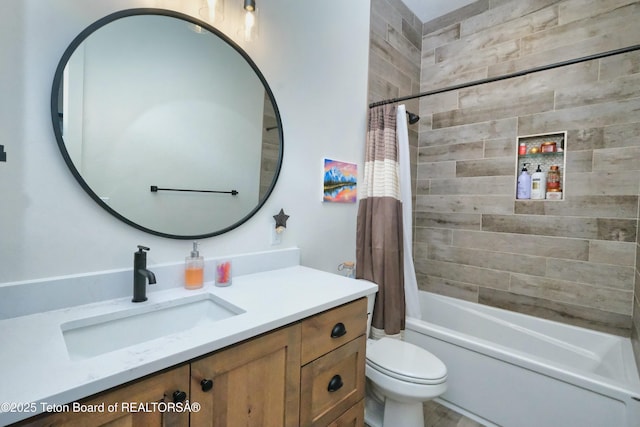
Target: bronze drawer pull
x=338, y=330
x=179, y=396
x=206, y=385
x=335, y=384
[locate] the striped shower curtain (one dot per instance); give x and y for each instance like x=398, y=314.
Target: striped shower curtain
x=379, y=245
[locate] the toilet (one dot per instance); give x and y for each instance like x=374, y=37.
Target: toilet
x=400, y=377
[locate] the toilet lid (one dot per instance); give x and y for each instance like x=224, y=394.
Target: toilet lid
x=405, y=361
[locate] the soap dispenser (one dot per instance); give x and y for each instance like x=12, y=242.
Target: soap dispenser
x=194, y=269
x=538, y=184
x=524, y=184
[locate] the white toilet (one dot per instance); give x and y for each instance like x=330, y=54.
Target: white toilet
x=400, y=377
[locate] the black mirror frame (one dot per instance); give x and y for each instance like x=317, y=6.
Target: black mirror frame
x=65, y=154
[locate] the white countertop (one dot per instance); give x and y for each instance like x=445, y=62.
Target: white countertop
x=35, y=365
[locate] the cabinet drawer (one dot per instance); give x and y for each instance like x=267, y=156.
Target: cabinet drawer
x=333, y=328
x=332, y=384
x=354, y=417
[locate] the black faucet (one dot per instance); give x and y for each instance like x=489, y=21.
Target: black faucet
x=141, y=274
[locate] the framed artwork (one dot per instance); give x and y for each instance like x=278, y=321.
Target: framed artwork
x=340, y=181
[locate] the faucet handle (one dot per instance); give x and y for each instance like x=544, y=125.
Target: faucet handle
x=143, y=248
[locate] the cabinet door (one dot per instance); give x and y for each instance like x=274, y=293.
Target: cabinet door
x=143, y=403
x=255, y=383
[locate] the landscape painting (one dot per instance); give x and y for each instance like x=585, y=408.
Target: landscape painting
x=340, y=181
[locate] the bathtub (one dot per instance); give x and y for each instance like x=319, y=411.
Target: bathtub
x=513, y=370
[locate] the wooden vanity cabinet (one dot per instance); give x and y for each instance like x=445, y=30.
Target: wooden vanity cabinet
x=333, y=371
x=253, y=384
x=133, y=405
x=310, y=373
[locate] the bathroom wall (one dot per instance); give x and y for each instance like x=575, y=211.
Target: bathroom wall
x=50, y=227
x=394, y=60
x=573, y=260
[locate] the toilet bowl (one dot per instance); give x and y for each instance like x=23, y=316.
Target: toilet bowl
x=401, y=377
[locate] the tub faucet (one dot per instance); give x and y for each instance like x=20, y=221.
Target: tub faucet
x=141, y=275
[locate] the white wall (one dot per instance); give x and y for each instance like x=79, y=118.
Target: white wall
x=314, y=56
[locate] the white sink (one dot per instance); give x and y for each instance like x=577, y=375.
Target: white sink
x=93, y=336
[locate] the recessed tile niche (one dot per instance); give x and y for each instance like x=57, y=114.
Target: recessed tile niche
x=546, y=150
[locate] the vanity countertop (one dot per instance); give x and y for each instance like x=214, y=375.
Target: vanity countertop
x=36, y=369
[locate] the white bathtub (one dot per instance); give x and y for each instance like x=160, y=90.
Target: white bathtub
x=514, y=370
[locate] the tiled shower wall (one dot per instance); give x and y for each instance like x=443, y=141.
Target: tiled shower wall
x=573, y=260
x=395, y=59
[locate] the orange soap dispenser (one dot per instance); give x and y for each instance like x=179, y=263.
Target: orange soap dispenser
x=194, y=269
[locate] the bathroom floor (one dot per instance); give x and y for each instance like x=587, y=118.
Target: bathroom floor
x=436, y=415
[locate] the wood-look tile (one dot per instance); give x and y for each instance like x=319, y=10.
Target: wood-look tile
x=507, y=262
x=498, y=93
x=588, y=28
x=437, y=103
x=598, y=92
x=482, y=185
x=499, y=14
x=446, y=287
x=582, y=206
x=387, y=12
x=588, y=116
x=464, y=204
x=608, y=252
x=603, y=275
x=620, y=65
x=433, y=170
x=501, y=147
x=614, y=159
x=554, y=247
x=441, y=37
x=571, y=292
x=623, y=135
x=440, y=153
x=485, y=167
x=498, y=34
x=457, y=15
x=605, y=183
x=526, y=105
x=426, y=235
x=621, y=230
x=468, y=274
x=476, y=132
x=587, y=317
x=574, y=10
x=448, y=220
x=446, y=77
x=579, y=161
x=585, y=139
x=573, y=49
x=406, y=48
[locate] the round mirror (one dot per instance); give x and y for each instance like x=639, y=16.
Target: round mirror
x=167, y=123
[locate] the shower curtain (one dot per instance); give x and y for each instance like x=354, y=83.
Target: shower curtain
x=379, y=246
x=410, y=280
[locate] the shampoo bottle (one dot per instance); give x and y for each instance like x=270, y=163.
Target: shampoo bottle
x=538, y=184
x=524, y=184
x=194, y=269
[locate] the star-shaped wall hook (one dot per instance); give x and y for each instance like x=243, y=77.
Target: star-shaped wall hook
x=281, y=220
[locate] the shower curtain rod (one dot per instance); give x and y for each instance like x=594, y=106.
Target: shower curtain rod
x=509, y=76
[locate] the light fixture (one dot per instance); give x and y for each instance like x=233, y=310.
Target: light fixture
x=249, y=29
x=212, y=11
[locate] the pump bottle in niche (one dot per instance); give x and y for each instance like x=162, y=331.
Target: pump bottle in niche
x=524, y=184
x=194, y=269
x=538, y=184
